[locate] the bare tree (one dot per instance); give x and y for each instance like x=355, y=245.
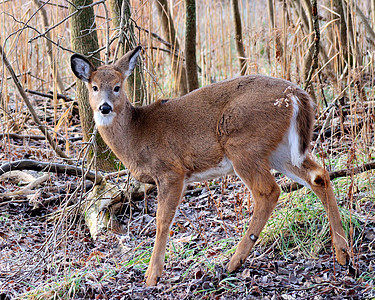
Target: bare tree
x=84, y=40
x=190, y=46
x=238, y=37
x=178, y=68
x=121, y=13
x=314, y=57
x=278, y=46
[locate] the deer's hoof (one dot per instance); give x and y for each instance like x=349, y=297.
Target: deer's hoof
x=152, y=276
x=235, y=263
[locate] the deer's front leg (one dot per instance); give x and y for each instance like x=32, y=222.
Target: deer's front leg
x=169, y=194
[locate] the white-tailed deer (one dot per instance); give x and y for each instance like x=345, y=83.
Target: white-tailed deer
x=243, y=126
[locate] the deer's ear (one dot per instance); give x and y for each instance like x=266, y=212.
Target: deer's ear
x=127, y=63
x=81, y=67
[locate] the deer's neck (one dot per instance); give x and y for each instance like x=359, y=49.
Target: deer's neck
x=119, y=134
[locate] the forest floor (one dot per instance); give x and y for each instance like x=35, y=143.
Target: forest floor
x=41, y=258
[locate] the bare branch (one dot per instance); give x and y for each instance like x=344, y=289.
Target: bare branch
x=53, y=63
x=41, y=126
x=50, y=95
x=78, y=9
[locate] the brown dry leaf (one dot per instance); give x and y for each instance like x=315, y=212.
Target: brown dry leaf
x=4, y=236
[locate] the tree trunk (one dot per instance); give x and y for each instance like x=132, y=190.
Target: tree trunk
x=116, y=10
x=84, y=40
x=121, y=13
x=343, y=43
x=278, y=46
x=314, y=59
x=302, y=14
x=178, y=69
x=238, y=37
x=307, y=61
x=190, y=48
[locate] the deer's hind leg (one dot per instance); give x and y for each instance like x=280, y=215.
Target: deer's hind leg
x=318, y=180
x=265, y=193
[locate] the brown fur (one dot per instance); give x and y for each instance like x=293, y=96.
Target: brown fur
x=243, y=120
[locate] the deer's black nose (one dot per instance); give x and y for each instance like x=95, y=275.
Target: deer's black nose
x=105, y=108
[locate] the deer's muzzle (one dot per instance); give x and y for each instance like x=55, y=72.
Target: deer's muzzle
x=105, y=108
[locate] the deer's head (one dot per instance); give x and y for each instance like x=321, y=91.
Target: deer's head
x=105, y=84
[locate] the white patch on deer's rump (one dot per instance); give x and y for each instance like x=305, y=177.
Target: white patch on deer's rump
x=297, y=157
x=288, y=152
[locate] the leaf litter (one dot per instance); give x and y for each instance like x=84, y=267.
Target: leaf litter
x=46, y=251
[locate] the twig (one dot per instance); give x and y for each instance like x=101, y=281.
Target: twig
x=268, y=250
x=41, y=127
x=165, y=50
x=116, y=174
x=155, y=36
x=25, y=25
x=106, y=34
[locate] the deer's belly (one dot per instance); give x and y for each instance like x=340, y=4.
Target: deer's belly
x=225, y=167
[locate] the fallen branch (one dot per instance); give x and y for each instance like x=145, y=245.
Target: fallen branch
x=27, y=164
x=36, y=137
x=347, y=172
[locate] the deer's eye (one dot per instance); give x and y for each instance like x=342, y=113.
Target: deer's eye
x=94, y=88
x=116, y=88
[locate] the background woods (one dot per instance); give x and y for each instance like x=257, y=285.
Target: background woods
x=46, y=250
